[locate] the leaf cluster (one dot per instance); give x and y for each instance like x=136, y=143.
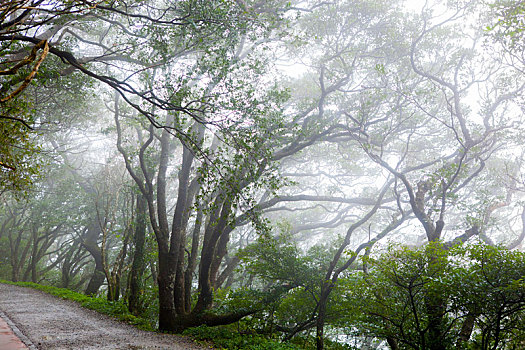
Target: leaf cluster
x=391, y=300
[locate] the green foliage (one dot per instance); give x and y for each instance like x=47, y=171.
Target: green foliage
x=230, y=338
x=394, y=299
x=52, y=101
x=237, y=337
x=392, y=295
x=19, y=165
x=296, y=277
x=509, y=23
x=279, y=259
x=493, y=289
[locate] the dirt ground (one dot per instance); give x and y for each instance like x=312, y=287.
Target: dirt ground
x=53, y=323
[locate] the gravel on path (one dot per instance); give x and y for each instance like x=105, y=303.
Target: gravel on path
x=53, y=323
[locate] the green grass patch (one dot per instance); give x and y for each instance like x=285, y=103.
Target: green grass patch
x=227, y=337
x=116, y=309
x=230, y=338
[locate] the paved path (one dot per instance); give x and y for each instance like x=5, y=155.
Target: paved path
x=8, y=339
x=52, y=323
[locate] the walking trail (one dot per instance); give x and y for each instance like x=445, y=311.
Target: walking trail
x=42, y=321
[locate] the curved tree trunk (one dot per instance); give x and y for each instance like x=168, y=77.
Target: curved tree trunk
x=90, y=243
x=97, y=279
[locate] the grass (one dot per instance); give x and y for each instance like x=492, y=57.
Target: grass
x=115, y=309
x=230, y=338
x=225, y=337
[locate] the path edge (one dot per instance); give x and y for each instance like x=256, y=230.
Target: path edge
x=17, y=332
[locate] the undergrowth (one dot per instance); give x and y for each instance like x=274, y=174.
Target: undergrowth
x=227, y=338
x=230, y=337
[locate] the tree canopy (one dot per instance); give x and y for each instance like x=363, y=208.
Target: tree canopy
x=336, y=174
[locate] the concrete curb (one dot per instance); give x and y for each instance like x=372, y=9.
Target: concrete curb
x=17, y=332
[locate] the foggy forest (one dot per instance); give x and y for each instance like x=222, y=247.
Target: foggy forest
x=270, y=174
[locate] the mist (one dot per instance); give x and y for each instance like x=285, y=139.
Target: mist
x=285, y=174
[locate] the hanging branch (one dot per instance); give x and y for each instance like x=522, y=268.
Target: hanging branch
x=17, y=120
x=45, y=50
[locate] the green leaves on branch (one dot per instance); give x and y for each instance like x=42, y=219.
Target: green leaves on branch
x=19, y=166
x=510, y=23
x=477, y=283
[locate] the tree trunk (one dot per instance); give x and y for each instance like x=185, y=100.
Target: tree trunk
x=65, y=276
x=17, y=258
x=179, y=295
x=91, y=245
x=227, y=274
x=319, y=336
x=192, y=260
x=435, y=309
x=220, y=252
x=95, y=282
x=166, y=278
x=326, y=289
x=466, y=330
x=137, y=268
x=34, y=256
x=113, y=291
x=392, y=343
x=216, y=228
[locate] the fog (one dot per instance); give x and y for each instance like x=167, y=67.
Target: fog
x=324, y=174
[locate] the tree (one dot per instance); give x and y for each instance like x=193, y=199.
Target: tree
x=399, y=126
x=138, y=266
x=480, y=283
x=210, y=194
x=509, y=25
x=37, y=229
x=19, y=165
x=90, y=37
x=57, y=29
x=405, y=106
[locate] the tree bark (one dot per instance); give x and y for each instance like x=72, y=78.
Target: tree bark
x=321, y=315
x=137, y=267
x=91, y=245
x=166, y=280
x=435, y=310
x=192, y=259
x=215, y=229
x=466, y=330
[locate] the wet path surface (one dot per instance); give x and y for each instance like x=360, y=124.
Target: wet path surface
x=8, y=339
x=52, y=323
